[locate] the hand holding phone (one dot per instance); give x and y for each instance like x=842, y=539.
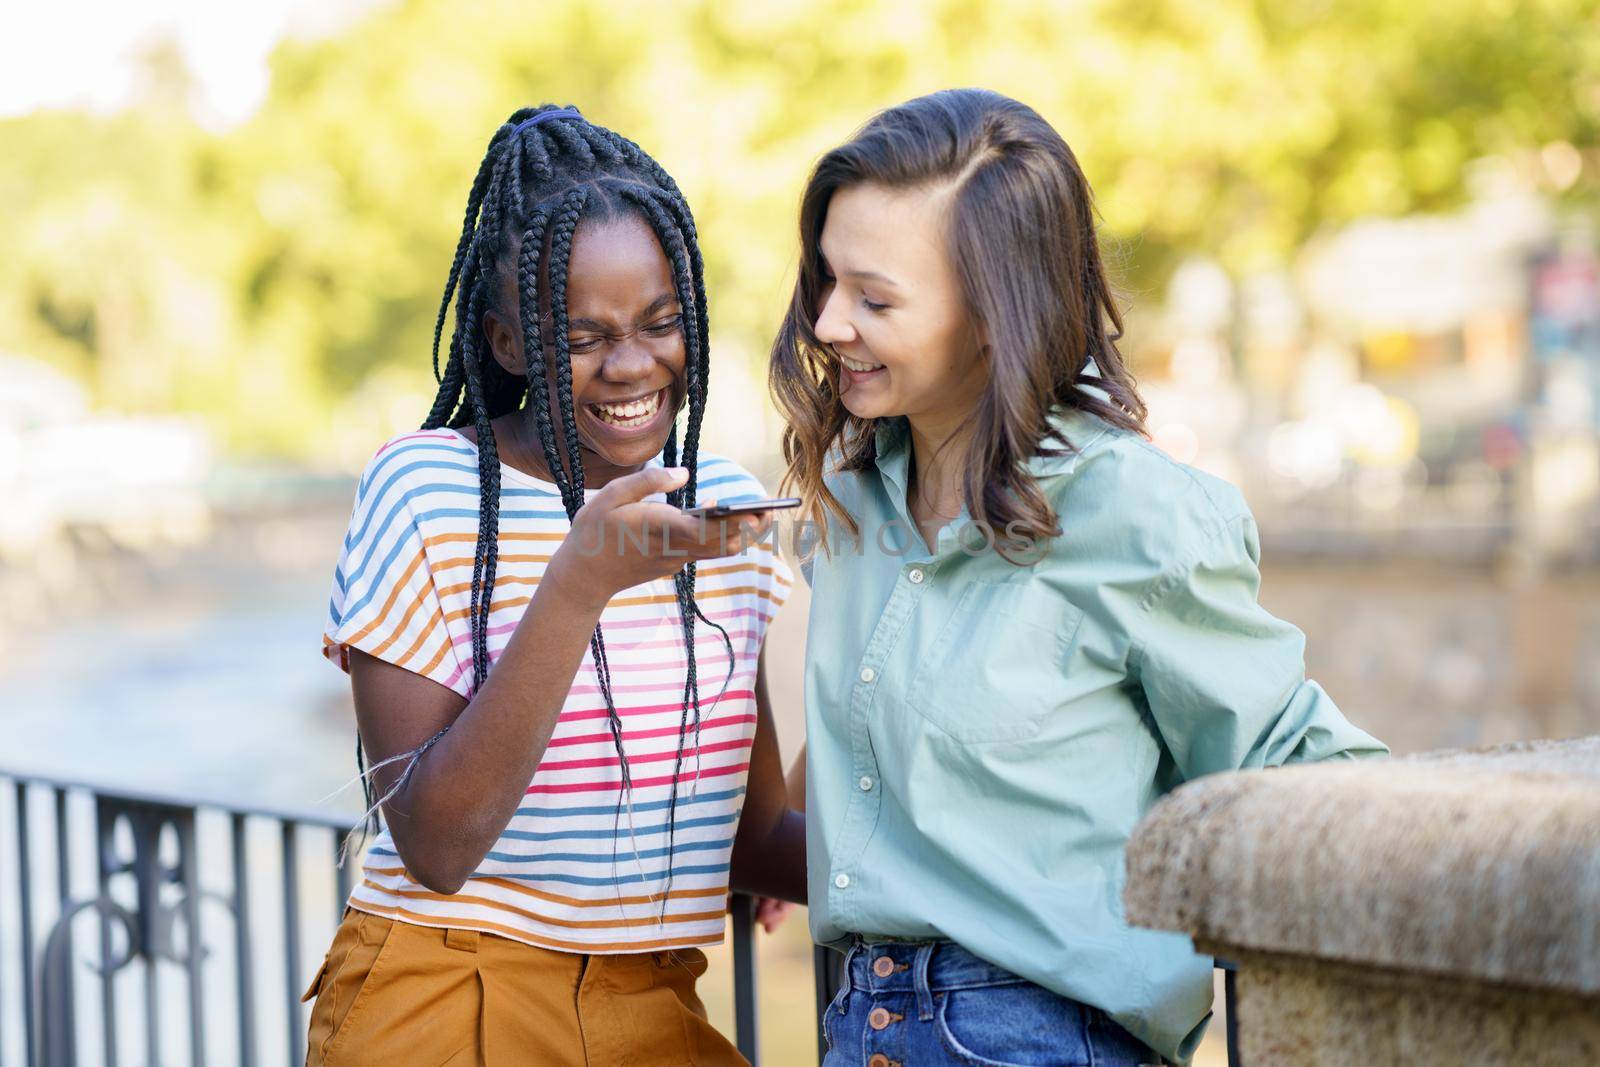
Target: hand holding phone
x=744, y=507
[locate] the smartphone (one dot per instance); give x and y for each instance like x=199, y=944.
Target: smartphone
x=743, y=507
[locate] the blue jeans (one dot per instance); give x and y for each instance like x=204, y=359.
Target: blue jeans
x=920, y=1004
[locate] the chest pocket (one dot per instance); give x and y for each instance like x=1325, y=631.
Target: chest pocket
x=994, y=668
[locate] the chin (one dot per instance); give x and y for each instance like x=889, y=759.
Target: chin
x=633, y=454
x=866, y=407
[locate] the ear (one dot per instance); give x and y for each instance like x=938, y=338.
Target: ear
x=505, y=341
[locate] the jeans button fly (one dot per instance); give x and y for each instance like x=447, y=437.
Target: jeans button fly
x=879, y=1019
x=883, y=966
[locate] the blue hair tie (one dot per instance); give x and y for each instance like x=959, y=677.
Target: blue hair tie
x=545, y=116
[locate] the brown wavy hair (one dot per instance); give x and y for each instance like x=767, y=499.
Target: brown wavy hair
x=1023, y=245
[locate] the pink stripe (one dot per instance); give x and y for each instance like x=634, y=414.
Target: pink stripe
x=639, y=735
x=651, y=709
x=587, y=667
x=709, y=688
x=495, y=630
x=464, y=667
x=414, y=437
x=701, y=636
x=638, y=783
x=648, y=757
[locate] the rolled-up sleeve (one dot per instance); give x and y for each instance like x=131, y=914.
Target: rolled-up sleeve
x=1223, y=678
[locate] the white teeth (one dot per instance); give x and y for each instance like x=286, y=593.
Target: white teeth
x=858, y=366
x=633, y=413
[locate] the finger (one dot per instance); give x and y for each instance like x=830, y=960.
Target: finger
x=632, y=488
x=728, y=536
x=693, y=536
x=749, y=530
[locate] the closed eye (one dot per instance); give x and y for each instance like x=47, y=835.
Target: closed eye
x=666, y=325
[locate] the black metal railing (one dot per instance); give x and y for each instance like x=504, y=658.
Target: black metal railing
x=168, y=980
x=137, y=919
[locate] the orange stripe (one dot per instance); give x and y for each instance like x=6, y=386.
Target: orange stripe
x=522, y=935
x=515, y=535
x=466, y=587
x=388, y=605
x=578, y=924
x=710, y=594
x=576, y=902
x=472, y=538
x=405, y=657
x=704, y=572
x=445, y=646
x=504, y=557
x=405, y=620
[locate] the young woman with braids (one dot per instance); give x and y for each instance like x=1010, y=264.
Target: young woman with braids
x=1029, y=623
x=557, y=673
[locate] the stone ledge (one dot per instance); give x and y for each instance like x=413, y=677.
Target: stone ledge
x=1481, y=864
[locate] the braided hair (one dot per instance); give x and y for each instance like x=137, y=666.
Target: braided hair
x=545, y=170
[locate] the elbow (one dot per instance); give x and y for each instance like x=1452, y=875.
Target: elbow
x=446, y=883
x=434, y=872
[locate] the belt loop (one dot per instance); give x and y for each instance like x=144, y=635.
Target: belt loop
x=462, y=940
x=847, y=973
x=919, y=973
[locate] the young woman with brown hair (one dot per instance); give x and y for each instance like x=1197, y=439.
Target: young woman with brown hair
x=1027, y=623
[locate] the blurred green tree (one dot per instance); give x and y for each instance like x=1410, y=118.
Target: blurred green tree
x=268, y=275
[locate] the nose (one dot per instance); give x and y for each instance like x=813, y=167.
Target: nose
x=833, y=322
x=628, y=361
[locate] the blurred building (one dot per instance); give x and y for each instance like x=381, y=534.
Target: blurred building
x=1423, y=385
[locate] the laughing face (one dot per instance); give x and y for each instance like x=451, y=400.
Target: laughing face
x=892, y=309
x=624, y=328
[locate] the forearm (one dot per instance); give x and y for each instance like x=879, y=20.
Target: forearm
x=772, y=863
x=466, y=788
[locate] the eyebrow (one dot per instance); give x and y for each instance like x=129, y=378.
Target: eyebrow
x=858, y=275
x=658, y=305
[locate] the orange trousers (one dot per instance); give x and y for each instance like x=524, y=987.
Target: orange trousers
x=395, y=994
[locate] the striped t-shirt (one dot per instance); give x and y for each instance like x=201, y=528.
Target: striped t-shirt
x=571, y=871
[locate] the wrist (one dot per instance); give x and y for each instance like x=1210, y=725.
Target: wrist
x=577, y=590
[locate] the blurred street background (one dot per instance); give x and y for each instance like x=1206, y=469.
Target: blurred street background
x=1358, y=243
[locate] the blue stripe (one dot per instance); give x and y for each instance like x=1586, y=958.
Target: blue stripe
x=593, y=835
x=623, y=853
x=650, y=805
x=355, y=537
x=620, y=879
x=724, y=480
x=579, y=879
x=416, y=523
x=376, y=467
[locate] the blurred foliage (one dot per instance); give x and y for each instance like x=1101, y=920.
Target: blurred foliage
x=281, y=278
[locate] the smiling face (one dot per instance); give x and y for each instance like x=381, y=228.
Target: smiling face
x=892, y=309
x=628, y=353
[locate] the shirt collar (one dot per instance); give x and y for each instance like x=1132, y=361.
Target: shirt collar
x=892, y=441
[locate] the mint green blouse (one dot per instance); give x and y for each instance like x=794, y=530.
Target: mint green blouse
x=983, y=737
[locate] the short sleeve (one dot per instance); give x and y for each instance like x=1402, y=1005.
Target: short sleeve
x=384, y=600
x=1224, y=679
